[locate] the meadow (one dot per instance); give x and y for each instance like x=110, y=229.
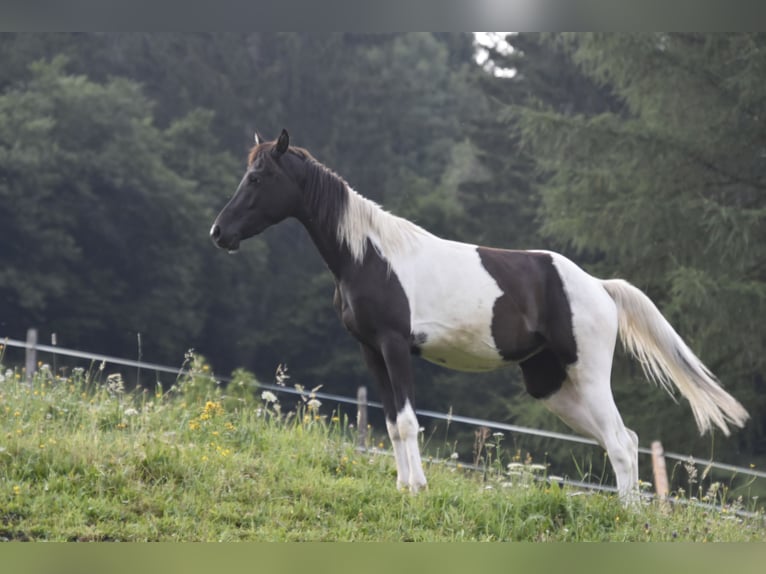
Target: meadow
x=84, y=459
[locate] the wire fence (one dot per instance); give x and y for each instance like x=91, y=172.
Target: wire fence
x=341, y=399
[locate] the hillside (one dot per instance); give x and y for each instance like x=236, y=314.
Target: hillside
x=82, y=459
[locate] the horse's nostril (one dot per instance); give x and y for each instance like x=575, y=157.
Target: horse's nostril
x=215, y=232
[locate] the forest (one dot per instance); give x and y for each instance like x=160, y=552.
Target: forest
x=640, y=156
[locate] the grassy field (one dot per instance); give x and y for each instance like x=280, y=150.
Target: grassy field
x=83, y=460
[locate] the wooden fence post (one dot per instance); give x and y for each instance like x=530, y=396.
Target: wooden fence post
x=660, y=471
x=361, y=416
x=31, y=355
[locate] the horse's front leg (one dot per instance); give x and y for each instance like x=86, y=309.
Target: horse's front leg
x=401, y=423
x=377, y=366
x=396, y=355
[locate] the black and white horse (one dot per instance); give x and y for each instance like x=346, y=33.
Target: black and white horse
x=402, y=291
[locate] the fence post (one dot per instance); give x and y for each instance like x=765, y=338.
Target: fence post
x=31, y=354
x=660, y=471
x=361, y=416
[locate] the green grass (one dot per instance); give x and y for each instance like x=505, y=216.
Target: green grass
x=82, y=460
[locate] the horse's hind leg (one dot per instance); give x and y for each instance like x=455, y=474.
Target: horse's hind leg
x=588, y=407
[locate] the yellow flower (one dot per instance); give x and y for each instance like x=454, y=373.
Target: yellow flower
x=16, y=489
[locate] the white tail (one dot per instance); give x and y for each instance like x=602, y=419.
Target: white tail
x=667, y=360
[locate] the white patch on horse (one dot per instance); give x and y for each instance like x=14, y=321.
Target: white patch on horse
x=400, y=455
x=408, y=429
x=451, y=297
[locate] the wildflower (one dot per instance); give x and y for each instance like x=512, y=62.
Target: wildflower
x=454, y=456
x=211, y=409
x=130, y=412
x=194, y=424
x=281, y=375
x=16, y=489
x=314, y=404
x=269, y=397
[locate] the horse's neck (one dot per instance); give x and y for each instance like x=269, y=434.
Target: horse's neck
x=361, y=222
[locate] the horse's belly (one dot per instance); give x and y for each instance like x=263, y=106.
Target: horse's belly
x=462, y=349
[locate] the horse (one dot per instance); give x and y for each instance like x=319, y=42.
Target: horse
x=402, y=292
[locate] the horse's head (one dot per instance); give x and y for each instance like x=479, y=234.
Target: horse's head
x=269, y=192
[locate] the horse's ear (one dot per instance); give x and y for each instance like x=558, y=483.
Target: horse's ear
x=259, y=139
x=282, y=143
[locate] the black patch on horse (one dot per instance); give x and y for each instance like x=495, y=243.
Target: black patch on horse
x=532, y=319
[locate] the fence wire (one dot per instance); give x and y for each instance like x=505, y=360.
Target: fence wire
x=449, y=417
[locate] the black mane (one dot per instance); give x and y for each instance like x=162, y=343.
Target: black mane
x=325, y=192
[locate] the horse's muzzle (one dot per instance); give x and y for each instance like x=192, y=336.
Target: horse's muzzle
x=230, y=243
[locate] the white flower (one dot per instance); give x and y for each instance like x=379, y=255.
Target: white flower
x=453, y=456
x=131, y=412
x=269, y=397
x=314, y=404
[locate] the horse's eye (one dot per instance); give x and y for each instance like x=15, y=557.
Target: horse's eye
x=254, y=178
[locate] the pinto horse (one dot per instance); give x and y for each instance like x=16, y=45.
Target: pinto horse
x=402, y=291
